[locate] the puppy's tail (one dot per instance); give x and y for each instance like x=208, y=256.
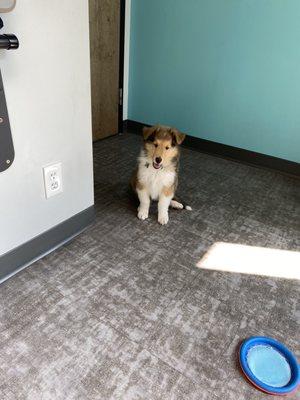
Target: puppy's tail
x=179, y=205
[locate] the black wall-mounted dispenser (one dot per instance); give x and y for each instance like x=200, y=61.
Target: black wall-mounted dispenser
x=7, y=153
x=9, y=41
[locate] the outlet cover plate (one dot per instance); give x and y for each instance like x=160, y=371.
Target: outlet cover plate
x=53, y=180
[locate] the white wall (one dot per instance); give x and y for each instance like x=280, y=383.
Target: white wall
x=126, y=58
x=47, y=84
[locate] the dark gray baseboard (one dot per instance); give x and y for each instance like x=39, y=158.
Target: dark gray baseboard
x=24, y=255
x=229, y=152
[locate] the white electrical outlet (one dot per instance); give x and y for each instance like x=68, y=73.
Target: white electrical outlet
x=53, y=180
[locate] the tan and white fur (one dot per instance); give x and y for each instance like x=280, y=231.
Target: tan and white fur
x=156, y=177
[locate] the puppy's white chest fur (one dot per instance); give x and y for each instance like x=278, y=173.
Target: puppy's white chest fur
x=153, y=179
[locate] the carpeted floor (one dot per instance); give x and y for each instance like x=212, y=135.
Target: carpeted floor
x=122, y=312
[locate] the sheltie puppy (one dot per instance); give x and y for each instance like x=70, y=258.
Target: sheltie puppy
x=156, y=176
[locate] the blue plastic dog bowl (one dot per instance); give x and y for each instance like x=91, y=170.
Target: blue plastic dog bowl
x=269, y=365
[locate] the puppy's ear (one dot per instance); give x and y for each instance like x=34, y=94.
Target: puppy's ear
x=177, y=136
x=149, y=133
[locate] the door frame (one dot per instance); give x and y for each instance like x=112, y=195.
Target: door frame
x=121, y=64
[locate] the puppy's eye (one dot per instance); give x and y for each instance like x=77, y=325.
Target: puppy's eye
x=167, y=148
x=155, y=144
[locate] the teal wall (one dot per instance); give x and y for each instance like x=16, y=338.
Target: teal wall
x=223, y=70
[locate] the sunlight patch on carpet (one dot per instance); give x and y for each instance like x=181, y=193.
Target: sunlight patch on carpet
x=252, y=260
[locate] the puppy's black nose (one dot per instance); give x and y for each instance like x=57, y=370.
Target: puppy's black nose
x=158, y=160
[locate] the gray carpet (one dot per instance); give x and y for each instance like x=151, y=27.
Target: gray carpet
x=122, y=312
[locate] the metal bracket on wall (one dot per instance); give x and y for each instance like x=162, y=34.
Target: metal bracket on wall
x=7, y=152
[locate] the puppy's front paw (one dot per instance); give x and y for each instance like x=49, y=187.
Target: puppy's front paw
x=163, y=219
x=143, y=214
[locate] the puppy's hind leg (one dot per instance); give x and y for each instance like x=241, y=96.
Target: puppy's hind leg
x=143, y=209
x=179, y=205
x=176, y=205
